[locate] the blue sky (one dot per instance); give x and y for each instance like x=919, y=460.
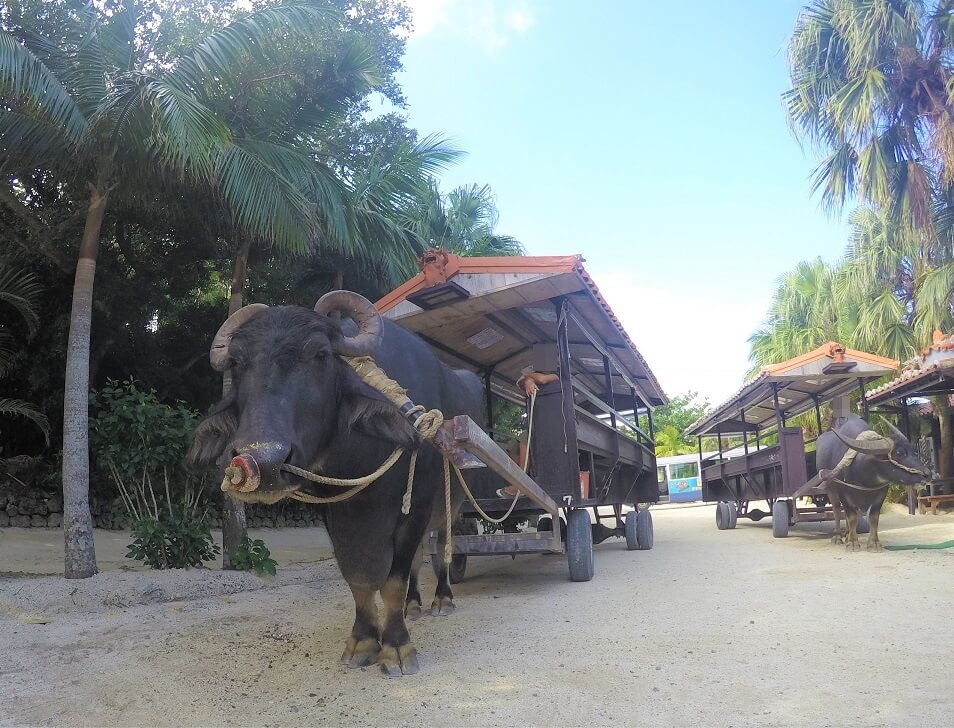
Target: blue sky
x=648, y=136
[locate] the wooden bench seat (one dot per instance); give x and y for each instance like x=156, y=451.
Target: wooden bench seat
x=933, y=501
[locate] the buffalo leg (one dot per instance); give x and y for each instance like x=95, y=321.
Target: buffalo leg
x=838, y=536
x=364, y=642
x=412, y=605
x=398, y=656
x=443, y=603
x=852, y=542
x=874, y=515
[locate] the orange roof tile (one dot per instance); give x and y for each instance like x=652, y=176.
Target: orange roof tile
x=501, y=264
x=823, y=352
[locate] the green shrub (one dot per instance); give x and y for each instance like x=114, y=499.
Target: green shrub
x=172, y=543
x=253, y=556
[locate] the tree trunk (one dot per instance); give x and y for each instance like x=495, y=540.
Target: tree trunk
x=945, y=454
x=80, y=551
x=233, y=511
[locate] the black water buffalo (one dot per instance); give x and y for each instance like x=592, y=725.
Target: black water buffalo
x=295, y=401
x=878, y=463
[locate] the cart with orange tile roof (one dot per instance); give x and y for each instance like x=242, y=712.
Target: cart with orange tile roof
x=540, y=323
x=760, y=457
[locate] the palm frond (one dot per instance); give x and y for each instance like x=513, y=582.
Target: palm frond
x=21, y=290
x=28, y=85
x=19, y=408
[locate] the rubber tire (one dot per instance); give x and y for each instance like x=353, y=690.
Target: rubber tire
x=632, y=543
x=545, y=523
x=864, y=525
x=733, y=513
x=780, y=518
x=722, y=516
x=644, y=530
x=457, y=568
x=579, y=545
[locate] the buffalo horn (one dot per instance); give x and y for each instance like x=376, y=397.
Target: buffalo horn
x=363, y=313
x=881, y=446
x=219, y=353
x=893, y=432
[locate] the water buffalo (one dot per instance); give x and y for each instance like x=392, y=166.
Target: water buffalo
x=295, y=401
x=878, y=463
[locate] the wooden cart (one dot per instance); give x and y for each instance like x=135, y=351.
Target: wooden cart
x=747, y=468
x=591, y=447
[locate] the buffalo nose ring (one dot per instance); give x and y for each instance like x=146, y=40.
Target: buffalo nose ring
x=242, y=475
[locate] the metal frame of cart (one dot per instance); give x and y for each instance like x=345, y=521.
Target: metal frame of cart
x=778, y=473
x=498, y=316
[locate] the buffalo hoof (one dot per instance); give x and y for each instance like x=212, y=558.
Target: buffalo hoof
x=442, y=606
x=852, y=546
x=360, y=653
x=412, y=611
x=397, y=661
x=837, y=538
x=874, y=547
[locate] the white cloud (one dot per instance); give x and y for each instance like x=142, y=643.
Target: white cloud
x=489, y=24
x=519, y=19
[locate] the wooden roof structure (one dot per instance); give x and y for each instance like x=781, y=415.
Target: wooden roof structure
x=798, y=385
x=930, y=374
x=495, y=315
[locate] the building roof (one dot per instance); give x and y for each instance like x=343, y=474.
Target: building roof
x=508, y=301
x=799, y=383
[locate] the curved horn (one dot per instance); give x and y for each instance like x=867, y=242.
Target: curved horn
x=363, y=313
x=893, y=432
x=882, y=446
x=219, y=353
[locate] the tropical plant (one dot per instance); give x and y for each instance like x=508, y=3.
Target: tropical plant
x=871, y=88
x=97, y=102
x=254, y=556
x=19, y=291
x=671, y=420
x=462, y=222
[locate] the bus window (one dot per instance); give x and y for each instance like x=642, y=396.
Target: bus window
x=683, y=470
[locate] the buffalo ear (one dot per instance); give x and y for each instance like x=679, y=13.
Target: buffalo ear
x=212, y=436
x=364, y=410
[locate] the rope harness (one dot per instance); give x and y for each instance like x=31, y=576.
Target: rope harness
x=849, y=458
x=428, y=423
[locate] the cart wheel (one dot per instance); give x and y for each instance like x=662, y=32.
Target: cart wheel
x=545, y=523
x=458, y=566
x=644, y=530
x=863, y=524
x=733, y=509
x=632, y=543
x=722, y=516
x=780, y=516
x=579, y=545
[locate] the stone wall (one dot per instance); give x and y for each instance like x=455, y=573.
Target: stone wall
x=24, y=508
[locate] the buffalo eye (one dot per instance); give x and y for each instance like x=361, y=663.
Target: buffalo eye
x=314, y=350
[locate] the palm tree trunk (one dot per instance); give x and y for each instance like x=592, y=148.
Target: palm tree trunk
x=233, y=511
x=945, y=455
x=80, y=551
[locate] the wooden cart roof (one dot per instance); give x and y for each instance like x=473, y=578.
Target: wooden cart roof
x=816, y=376
x=506, y=306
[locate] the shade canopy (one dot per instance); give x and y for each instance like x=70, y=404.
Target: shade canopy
x=799, y=384
x=496, y=316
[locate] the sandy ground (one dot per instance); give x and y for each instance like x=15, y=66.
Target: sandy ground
x=709, y=628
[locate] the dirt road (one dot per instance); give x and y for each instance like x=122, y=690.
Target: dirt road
x=709, y=628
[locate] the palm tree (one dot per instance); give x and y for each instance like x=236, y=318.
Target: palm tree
x=101, y=108
x=20, y=291
x=871, y=88
x=462, y=222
